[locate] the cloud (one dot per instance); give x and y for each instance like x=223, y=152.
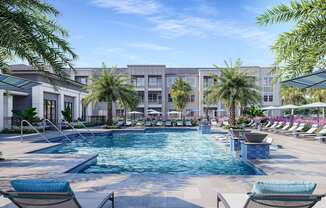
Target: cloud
x=140, y=7
x=149, y=46
x=207, y=27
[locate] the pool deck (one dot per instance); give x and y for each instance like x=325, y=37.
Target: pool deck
x=299, y=159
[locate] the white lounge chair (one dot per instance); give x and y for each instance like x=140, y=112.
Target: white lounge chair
x=297, y=130
x=310, y=132
x=284, y=128
x=266, y=128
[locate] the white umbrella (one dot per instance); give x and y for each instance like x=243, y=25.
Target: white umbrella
x=315, y=105
x=292, y=107
x=153, y=112
x=135, y=112
x=174, y=113
x=270, y=108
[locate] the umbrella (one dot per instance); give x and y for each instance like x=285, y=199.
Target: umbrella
x=292, y=107
x=135, y=112
x=153, y=112
x=270, y=108
x=315, y=105
x=174, y=113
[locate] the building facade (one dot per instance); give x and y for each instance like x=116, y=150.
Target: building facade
x=153, y=84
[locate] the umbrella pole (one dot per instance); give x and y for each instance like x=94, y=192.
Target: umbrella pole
x=318, y=115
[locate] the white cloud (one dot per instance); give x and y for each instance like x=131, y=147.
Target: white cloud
x=140, y=7
x=149, y=46
x=206, y=27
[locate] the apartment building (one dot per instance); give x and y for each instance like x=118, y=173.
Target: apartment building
x=153, y=84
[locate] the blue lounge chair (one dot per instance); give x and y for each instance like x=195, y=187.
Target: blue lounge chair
x=188, y=123
x=47, y=194
x=273, y=194
x=148, y=123
x=179, y=122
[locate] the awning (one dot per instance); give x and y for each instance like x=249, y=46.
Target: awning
x=12, y=83
x=313, y=80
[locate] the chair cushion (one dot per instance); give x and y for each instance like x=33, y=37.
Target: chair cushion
x=283, y=187
x=40, y=185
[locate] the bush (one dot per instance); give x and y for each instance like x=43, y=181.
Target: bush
x=17, y=131
x=28, y=114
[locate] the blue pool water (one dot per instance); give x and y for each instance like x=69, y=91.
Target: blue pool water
x=185, y=152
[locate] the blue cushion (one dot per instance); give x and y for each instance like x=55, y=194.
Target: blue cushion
x=283, y=187
x=40, y=185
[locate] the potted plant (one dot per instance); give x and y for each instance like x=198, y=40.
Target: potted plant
x=255, y=137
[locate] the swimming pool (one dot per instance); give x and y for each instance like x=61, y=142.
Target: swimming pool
x=170, y=152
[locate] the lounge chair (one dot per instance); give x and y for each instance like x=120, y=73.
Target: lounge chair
x=291, y=129
x=297, y=130
x=148, y=123
x=310, y=132
x=179, y=122
x=188, y=123
x=266, y=128
x=43, y=193
x=140, y=123
x=128, y=123
x=321, y=135
x=159, y=123
x=274, y=127
x=168, y=123
x=120, y=124
x=270, y=194
x=284, y=128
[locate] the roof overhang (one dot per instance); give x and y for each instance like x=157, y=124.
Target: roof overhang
x=315, y=80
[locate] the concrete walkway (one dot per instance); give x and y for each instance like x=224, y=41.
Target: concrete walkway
x=300, y=159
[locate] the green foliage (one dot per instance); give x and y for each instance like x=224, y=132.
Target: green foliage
x=254, y=111
x=180, y=93
x=29, y=31
x=234, y=87
x=110, y=87
x=28, y=114
x=67, y=114
x=304, y=47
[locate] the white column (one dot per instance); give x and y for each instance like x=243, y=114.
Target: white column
x=38, y=100
x=61, y=106
x=1, y=109
x=77, y=103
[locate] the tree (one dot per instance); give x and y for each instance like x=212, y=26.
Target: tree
x=111, y=86
x=293, y=96
x=67, y=114
x=180, y=93
x=231, y=87
x=303, y=48
x=29, y=31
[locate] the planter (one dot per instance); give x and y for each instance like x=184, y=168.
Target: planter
x=255, y=137
x=239, y=132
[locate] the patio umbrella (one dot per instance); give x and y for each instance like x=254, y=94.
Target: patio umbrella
x=154, y=112
x=135, y=113
x=317, y=105
x=178, y=113
x=292, y=107
x=270, y=108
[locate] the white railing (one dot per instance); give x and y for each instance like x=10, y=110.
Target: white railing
x=37, y=131
x=73, y=128
x=86, y=128
x=52, y=124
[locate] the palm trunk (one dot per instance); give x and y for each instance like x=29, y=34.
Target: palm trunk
x=109, y=121
x=232, y=114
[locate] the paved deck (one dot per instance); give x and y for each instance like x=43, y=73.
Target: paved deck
x=300, y=159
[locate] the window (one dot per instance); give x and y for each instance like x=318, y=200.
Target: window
x=81, y=79
x=154, y=98
x=171, y=81
x=155, y=82
x=141, y=97
x=138, y=81
x=268, y=81
x=265, y=98
x=208, y=81
x=191, y=99
x=270, y=98
x=169, y=98
x=120, y=113
x=50, y=110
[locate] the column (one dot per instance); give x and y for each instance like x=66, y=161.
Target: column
x=146, y=95
x=38, y=100
x=77, y=103
x=1, y=109
x=61, y=106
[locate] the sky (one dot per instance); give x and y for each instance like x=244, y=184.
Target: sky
x=177, y=33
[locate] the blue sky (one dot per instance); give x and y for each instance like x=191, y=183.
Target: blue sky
x=171, y=32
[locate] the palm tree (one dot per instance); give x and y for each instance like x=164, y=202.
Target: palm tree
x=304, y=47
x=233, y=87
x=293, y=96
x=180, y=93
x=28, y=30
x=111, y=86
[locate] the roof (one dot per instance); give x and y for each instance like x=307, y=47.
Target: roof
x=8, y=82
x=313, y=80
